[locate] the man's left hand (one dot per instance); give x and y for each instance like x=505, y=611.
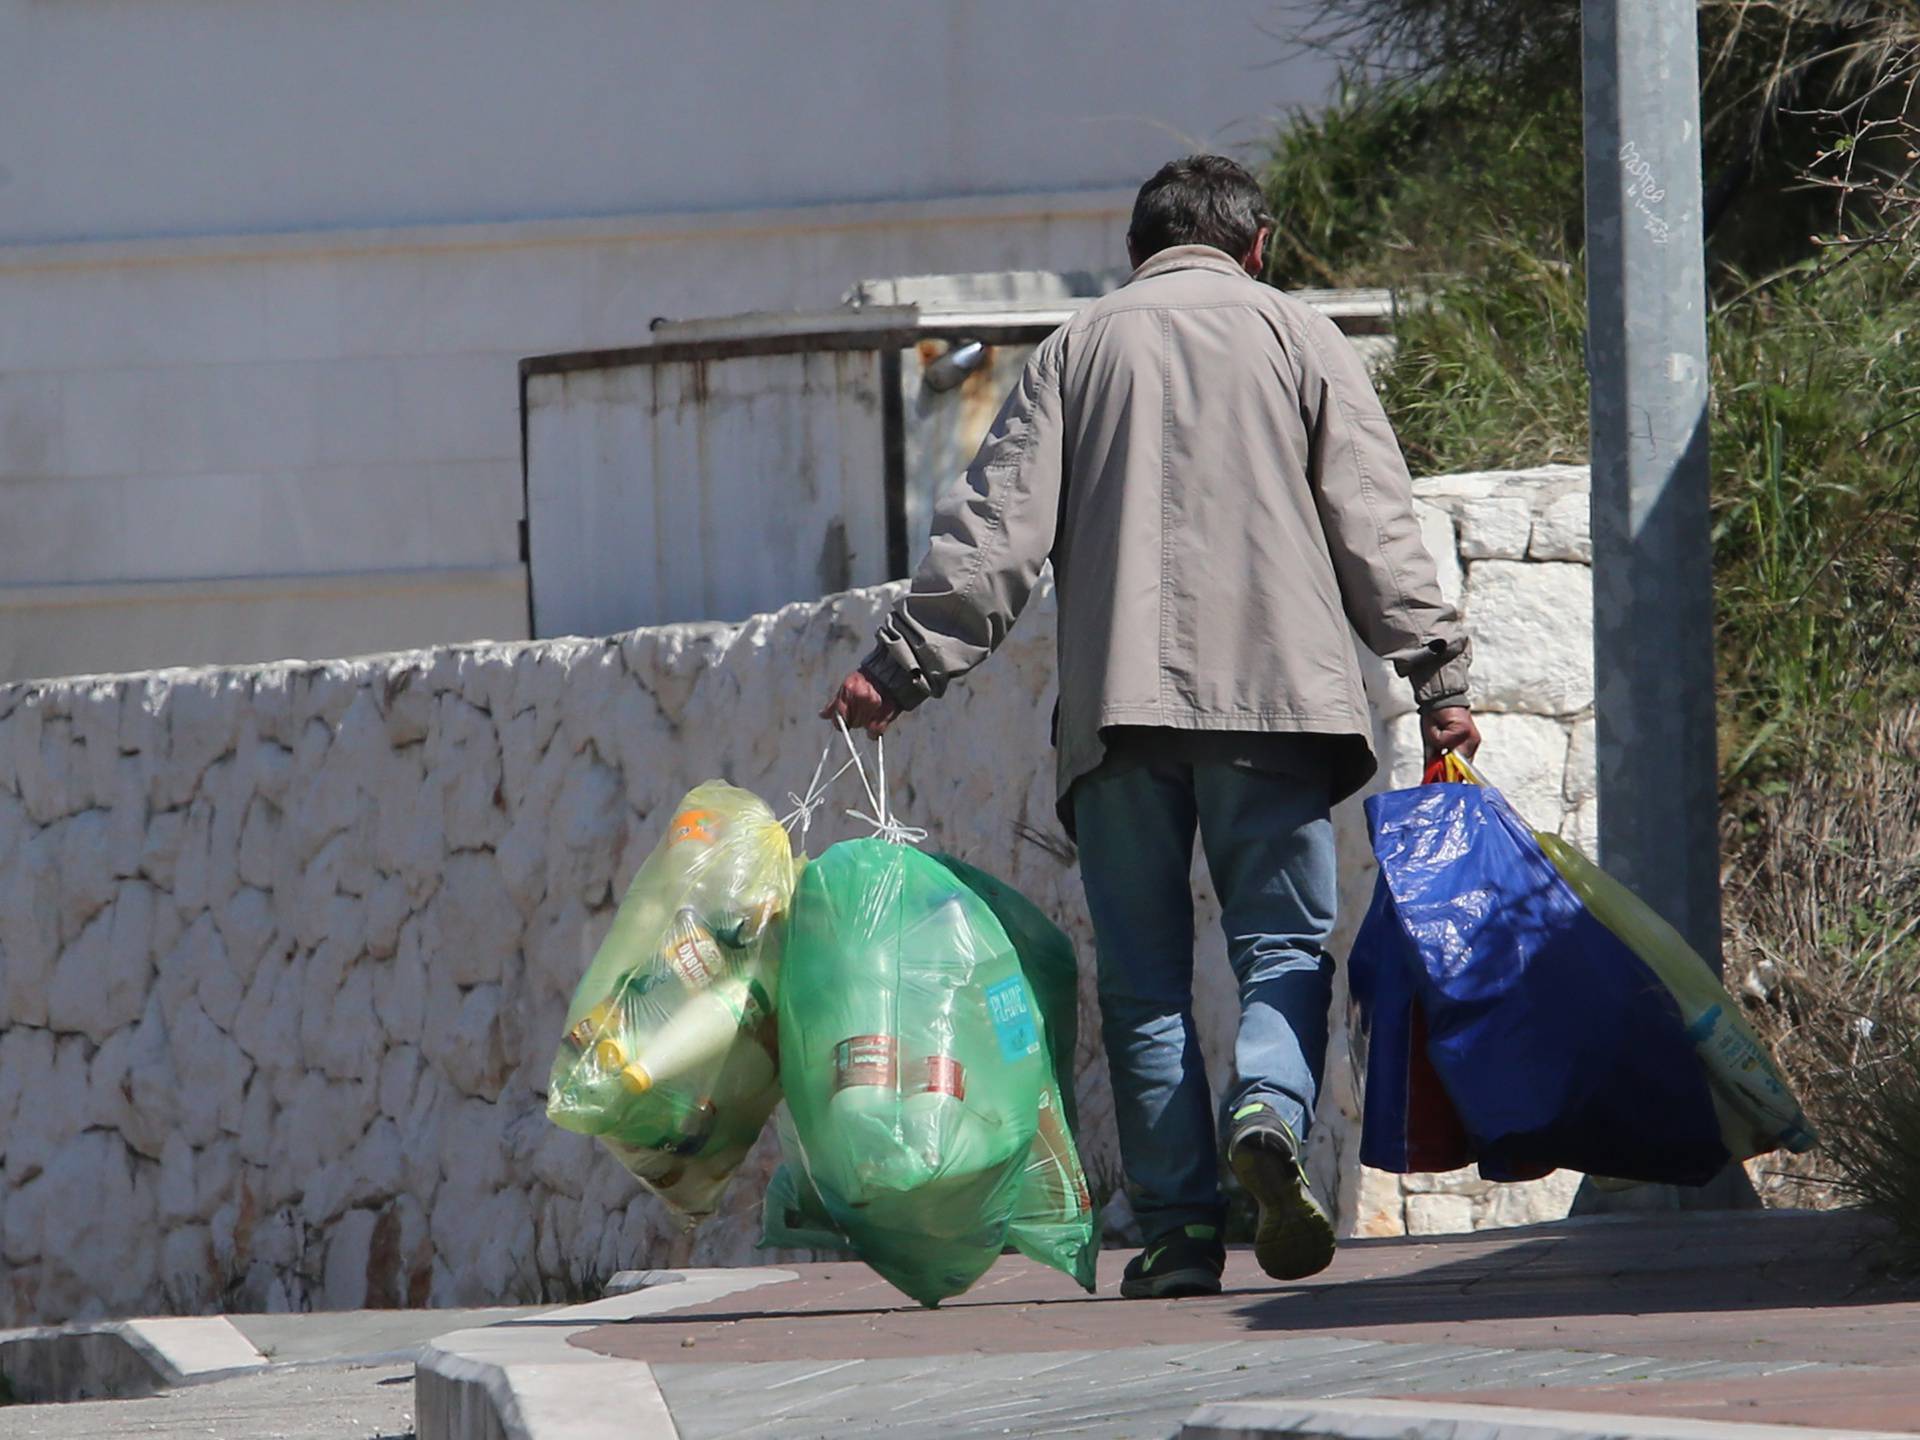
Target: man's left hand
x=1451, y=728
x=862, y=704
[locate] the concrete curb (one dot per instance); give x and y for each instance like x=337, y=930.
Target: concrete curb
x=1421, y=1420
x=521, y=1380
x=123, y=1359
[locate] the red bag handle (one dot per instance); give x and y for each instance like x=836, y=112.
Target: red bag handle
x=1450, y=769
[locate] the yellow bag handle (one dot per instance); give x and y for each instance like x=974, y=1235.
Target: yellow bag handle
x=1451, y=769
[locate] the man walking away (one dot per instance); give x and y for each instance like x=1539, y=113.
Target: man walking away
x=1206, y=464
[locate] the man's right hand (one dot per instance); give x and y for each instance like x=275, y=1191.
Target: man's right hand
x=1451, y=728
x=862, y=705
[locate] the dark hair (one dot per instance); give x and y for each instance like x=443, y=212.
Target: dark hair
x=1201, y=200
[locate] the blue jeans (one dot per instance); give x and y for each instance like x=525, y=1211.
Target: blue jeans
x=1269, y=847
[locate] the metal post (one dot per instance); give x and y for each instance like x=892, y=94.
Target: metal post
x=1652, y=556
x=1652, y=537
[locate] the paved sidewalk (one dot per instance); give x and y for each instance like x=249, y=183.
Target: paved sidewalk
x=331, y=1376
x=1772, y=1317
x=1743, y=1317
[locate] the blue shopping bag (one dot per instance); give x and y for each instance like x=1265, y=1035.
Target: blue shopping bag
x=1499, y=1006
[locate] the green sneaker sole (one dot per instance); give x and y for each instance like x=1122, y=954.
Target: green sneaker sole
x=1174, y=1285
x=1295, y=1238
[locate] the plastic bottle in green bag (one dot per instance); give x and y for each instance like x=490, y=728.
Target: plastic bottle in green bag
x=973, y=1014
x=913, y=1063
x=1053, y=1221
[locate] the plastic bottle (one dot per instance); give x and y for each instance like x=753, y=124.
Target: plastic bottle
x=953, y=1143
x=741, y=926
x=1056, y=1185
x=600, y=1018
x=703, y=1036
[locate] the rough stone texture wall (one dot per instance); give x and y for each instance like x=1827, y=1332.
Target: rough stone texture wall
x=284, y=950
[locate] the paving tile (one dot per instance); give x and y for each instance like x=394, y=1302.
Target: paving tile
x=1829, y=1399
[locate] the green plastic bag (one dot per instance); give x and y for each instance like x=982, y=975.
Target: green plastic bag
x=925, y=1116
x=1053, y=1219
x=670, y=1055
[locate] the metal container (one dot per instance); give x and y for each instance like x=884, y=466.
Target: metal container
x=737, y=465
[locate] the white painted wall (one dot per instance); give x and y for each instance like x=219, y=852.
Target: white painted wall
x=135, y=118
x=287, y=949
x=266, y=269
x=338, y=416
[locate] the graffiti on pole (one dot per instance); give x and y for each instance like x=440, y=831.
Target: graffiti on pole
x=1644, y=190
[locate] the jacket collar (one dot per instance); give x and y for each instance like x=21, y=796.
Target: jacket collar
x=1188, y=257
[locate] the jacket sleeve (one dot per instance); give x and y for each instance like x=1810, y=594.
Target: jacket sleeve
x=992, y=532
x=1388, y=583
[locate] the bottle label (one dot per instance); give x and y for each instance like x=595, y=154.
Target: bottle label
x=866, y=1060
x=582, y=1036
x=1051, y=1136
x=1013, y=1019
x=946, y=1076
x=698, y=825
x=691, y=952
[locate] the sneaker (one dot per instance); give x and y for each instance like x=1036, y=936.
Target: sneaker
x=1295, y=1237
x=1187, y=1261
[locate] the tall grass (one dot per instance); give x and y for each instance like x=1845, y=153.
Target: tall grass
x=1815, y=408
x=1781, y=81
x=1403, y=185
x=1816, y=436
x=1490, y=370
x=1823, y=909
x=1815, y=425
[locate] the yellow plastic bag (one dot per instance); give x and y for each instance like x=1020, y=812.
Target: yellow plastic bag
x=1757, y=1110
x=670, y=1055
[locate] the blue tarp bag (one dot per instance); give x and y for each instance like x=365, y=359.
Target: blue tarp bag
x=1507, y=1025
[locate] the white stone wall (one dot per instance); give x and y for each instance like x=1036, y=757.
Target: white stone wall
x=284, y=950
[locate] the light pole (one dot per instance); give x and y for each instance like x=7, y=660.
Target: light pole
x=1652, y=539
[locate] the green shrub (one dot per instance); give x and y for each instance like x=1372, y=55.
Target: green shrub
x=1405, y=185
x=1490, y=371
x=1815, y=412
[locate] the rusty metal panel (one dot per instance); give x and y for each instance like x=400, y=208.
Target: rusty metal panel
x=944, y=428
x=701, y=487
x=737, y=464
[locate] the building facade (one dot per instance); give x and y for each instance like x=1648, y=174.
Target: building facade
x=267, y=271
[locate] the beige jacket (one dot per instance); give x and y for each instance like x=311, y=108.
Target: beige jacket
x=1205, y=462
